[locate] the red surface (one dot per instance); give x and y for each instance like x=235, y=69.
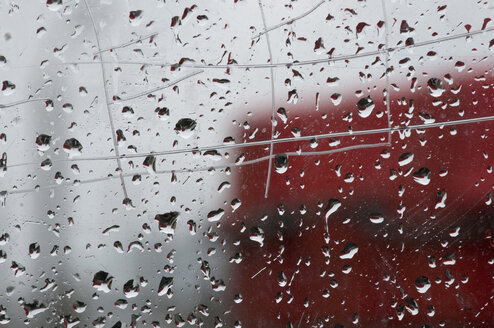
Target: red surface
x=383, y=250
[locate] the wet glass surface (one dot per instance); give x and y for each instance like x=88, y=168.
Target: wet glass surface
x=241, y=163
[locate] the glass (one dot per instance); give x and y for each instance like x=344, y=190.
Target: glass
x=246, y=163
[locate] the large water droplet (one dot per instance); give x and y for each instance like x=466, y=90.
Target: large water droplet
x=365, y=107
x=281, y=163
x=422, y=176
x=435, y=87
x=257, y=235
x=333, y=206
x=73, y=147
x=167, y=222
x=130, y=290
x=185, y=127
x=165, y=286
x=422, y=284
x=102, y=281
x=43, y=142
x=215, y=215
x=376, y=218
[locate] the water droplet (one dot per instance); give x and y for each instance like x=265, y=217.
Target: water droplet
x=257, y=235
x=34, y=250
x=411, y=306
x=333, y=206
x=79, y=306
x=165, y=286
x=215, y=215
x=405, y=159
x=43, y=142
x=224, y=185
x=365, y=107
x=185, y=127
x=73, y=147
x=349, y=251
x=34, y=308
x=282, y=280
x=3, y=165
x=102, y=281
x=422, y=176
x=8, y=88
x=435, y=87
x=336, y=98
x=376, y=218
x=3, y=198
x=281, y=163
x=163, y=113
x=130, y=290
x=282, y=114
x=150, y=164
x=422, y=284
x=167, y=222
x=54, y=5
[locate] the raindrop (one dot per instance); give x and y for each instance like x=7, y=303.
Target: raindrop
x=163, y=113
x=376, y=218
x=130, y=290
x=435, y=87
x=34, y=308
x=73, y=147
x=422, y=176
x=333, y=206
x=422, y=284
x=349, y=251
x=165, y=286
x=7, y=88
x=79, y=306
x=102, y=281
x=281, y=163
x=167, y=222
x=34, y=250
x=365, y=107
x=405, y=159
x=215, y=215
x=257, y=235
x=282, y=114
x=46, y=164
x=150, y=164
x=43, y=142
x=185, y=127
x=282, y=280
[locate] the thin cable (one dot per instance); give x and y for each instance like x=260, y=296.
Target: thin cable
x=20, y=102
x=115, y=144
x=274, y=141
x=162, y=87
x=296, y=63
x=386, y=53
x=126, y=44
x=289, y=21
x=268, y=177
x=198, y=169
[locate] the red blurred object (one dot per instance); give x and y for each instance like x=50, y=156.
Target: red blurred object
x=439, y=229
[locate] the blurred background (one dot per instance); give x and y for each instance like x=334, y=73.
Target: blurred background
x=241, y=163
